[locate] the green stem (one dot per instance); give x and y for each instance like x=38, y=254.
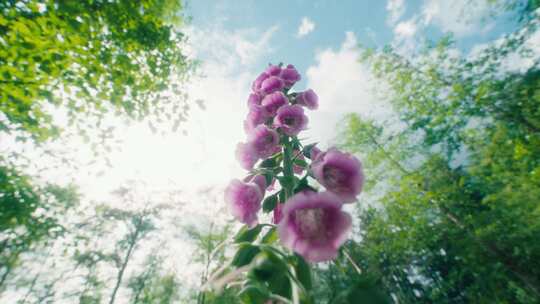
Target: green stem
x=294, y=285
x=288, y=173
x=355, y=266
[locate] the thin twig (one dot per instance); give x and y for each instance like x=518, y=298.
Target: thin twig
x=356, y=267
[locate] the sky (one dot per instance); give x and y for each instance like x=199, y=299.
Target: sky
x=234, y=41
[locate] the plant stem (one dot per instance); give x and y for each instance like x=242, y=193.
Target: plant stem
x=288, y=173
x=356, y=267
x=295, y=295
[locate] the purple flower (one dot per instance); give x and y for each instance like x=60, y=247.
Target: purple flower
x=264, y=141
x=254, y=100
x=278, y=213
x=314, y=225
x=290, y=75
x=246, y=156
x=258, y=180
x=291, y=119
x=272, y=102
x=244, y=201
x=273, y=70
x=256, y=85
x=257, y=115
x=308, y=99
x=271, y=84
x=340, y=173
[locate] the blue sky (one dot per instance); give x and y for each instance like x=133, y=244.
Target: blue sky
x=371, y=21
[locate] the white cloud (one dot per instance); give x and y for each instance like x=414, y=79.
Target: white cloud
x=396, y=9
x=230, y=48
x=344, y=86
x=406, y=28
x=306, y=26
x=406, y=39
x=526, y=57
x=461, y=17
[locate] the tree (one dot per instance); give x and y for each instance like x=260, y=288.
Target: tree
x=349, y=279
x=28, y=215
x=454, y=209
x=137, y=224
x=210, y=253
x=151, y=285
x=89, y=58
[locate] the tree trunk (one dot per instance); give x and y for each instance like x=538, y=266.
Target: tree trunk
x=123, y=267
x=9, y=268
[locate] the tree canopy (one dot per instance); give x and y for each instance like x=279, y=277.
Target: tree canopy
x=71, y=64
x=456, y=171
x=89, y=58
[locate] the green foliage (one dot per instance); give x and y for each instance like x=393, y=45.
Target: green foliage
x=362, y=291
x=303, y=271
x=348, y=279
x=454, y=183
x=89, y=57
x=28, y=215
x=247, y=234
x=151, y=286
x=245, y=254
x=210, y=252
x=85, y=61
x=270, y=202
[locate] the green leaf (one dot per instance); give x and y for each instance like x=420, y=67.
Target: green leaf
x=253, y=294
x=300, y=162
x=270, y=203
x=281, y=196
x=245, y=254
x=303, y=272
x=268, y=178
x=303, y=185
x=271, y=269
x=287, y=182
x=245, y=234
x=268, y=265
x=268, y=163
x=270, y=237
x=281, y=285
